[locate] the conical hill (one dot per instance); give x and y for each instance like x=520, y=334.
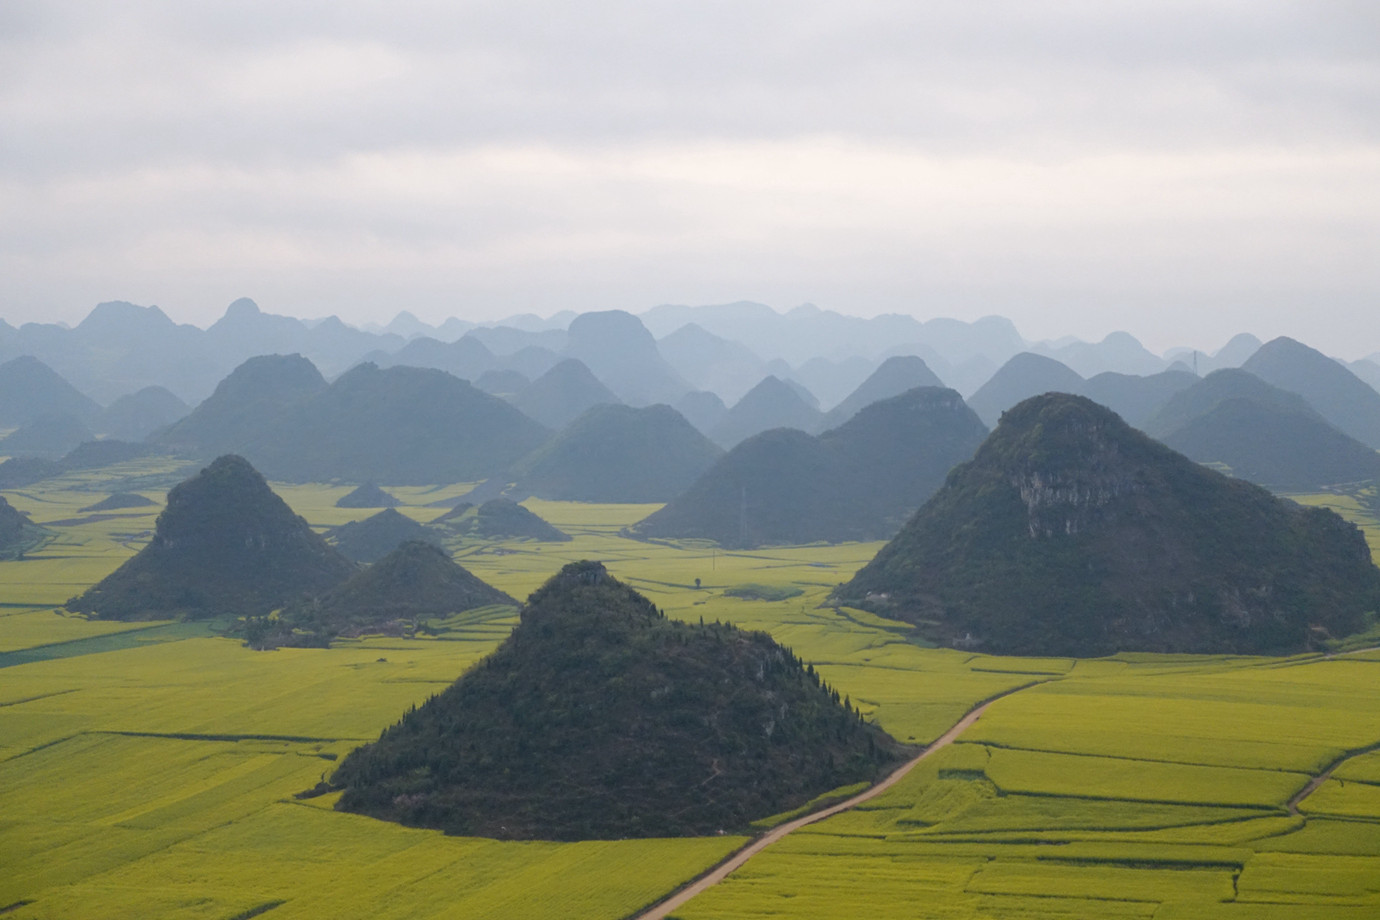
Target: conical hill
x=896, y=375
x=1070, y=533
x=773, y=403
x=416, y=582
x=562, y=394
x=860, y=481
x=18, y=534
x=368, y=495
x=378, y=535
x=600, y=718
x=497, y=519
x=618, y=454
x=224, y=545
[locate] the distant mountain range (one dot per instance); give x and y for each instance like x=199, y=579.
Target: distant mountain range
x=667, y=351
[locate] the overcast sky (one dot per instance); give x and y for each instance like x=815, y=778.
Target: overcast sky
x=1180, y=170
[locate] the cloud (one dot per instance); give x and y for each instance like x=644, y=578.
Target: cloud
x=1174, y=165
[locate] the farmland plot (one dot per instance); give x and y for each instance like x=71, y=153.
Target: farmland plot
x=157, y=778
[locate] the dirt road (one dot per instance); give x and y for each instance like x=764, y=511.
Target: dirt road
x=721, y=871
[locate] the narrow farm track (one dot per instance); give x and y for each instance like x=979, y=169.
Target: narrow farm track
x=735, y=861
x=1324, y=776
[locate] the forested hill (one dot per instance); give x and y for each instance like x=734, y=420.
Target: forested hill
x=225, y=545
x=600, y=718
x=1070, y=533
x=859, y=481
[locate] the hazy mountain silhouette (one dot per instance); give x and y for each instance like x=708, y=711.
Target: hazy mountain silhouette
x=504, y=382
x=1024, y=376
x=466, y=357
x=1368, y=370
x=1134, y=398
x=1216, y=388
x=563, y=394
x=808, y=332
x=831, y=381
x=1119, y=352
x=19, y=472
x=18, y=535
x=711, y=362
x=368, y=495
x=1261, y=433
x=243, y=405
x=118, y=501
x=90, y=455
x=135, y=416
x=618, y=454
x=30, y=389
x=620, y=351
x=378, y=535
x=773, y=403
x=246, y=331
x=744, y=730
x=498, y=519
x=702, y=409
x=225, y=545
x=49, y=436
x=401, y=425
x=506, y=340
x=1336, y=393
x=1071, y=533
x=859, y=481
x=1235, y=353
x=894, y=377
x=1275, y=447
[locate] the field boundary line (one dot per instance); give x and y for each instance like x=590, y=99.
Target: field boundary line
x=734, y=861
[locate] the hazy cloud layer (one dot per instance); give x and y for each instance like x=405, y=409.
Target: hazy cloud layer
x=1183, y=170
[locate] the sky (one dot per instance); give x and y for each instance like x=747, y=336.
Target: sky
x=1179, y=170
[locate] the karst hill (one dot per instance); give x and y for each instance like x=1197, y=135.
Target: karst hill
x=497, y=519
x=600, y=718
x=417, y=582
x=225, y=545
x=1070, y=533
x=860, y=481
x=617, y=453
x=18, y=534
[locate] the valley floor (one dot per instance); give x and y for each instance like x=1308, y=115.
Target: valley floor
x=149, y=770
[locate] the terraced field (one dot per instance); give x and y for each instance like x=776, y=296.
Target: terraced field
x=149, y=770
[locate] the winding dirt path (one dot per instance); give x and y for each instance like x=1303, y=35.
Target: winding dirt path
x=716, y=875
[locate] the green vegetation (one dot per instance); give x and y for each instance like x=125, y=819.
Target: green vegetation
x=225, y=546
x=1071, y=533
x=119, y=501
x=368, y=495
x=157, y=778
x=563, y=394
x=498, y=519
x=859, y=481
x=396, y=425
x=18, y=535
x=415, y=583
x=376, y=536
x=754, y=592
x=1261, y=433
x=615, y=453
x=399, y=425
x=601, y=718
